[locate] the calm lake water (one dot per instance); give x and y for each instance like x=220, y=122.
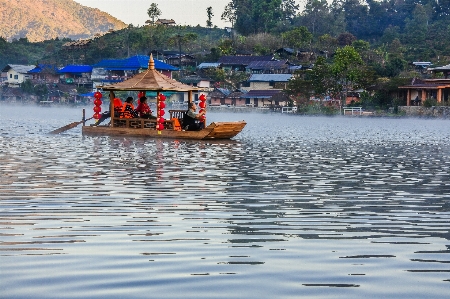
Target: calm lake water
x=293, y=207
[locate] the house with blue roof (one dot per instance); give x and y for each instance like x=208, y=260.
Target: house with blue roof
x=110, y=71
x=44, y=73
x=218, y=97
x=76, y=74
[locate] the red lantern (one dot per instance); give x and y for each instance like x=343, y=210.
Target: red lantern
x=162, y=97
x=161, y=112
x=97, y=102
x=202, y=104
x=201, y=111
x=202, y=98
x=141, y=94
x=161, y=120
x=160, y=127
x=161, y=105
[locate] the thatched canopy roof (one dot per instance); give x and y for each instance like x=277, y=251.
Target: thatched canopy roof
x=150, y=80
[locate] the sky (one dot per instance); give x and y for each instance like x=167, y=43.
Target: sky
x=183, y=12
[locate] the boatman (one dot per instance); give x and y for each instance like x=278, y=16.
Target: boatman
x=191, y=120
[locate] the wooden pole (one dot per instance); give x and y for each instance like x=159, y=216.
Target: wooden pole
x=111, y=106
x=157, y=111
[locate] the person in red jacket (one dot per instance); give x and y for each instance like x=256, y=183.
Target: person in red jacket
x=143, y=109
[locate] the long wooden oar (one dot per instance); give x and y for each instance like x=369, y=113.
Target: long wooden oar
x=68, y=127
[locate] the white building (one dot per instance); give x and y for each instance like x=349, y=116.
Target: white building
x=17, y=73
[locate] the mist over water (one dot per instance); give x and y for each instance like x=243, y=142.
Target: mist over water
x=292, y=207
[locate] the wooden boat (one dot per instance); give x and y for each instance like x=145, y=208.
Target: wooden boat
x=152, y=80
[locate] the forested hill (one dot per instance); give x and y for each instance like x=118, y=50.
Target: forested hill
x=39, y=20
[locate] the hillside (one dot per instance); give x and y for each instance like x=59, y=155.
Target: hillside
x=40, y=20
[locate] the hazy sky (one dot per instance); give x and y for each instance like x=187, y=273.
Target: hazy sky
x=183, y=12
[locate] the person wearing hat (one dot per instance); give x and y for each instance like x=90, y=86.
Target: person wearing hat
x=143, y=109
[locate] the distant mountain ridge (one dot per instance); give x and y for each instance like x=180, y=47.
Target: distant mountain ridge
x=39, y=20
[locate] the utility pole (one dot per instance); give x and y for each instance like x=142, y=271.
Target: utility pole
x=179, y=55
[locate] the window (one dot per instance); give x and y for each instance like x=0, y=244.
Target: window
x=10, y=76
x=16, y=77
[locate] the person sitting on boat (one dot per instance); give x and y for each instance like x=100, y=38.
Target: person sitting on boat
x=192, y=120
x=107, y=114
x=143, y=109
x=128, y=109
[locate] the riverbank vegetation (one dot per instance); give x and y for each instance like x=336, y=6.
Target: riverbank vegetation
x=347, y=45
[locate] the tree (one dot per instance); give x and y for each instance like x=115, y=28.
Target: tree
x=298, y=37
x=346, y=73
x=417, y=27
x=256, y=16
x=153, y=12
x=228, y=79
x=209, y=13
x=229, y=14
x=327, y=44
x=289, y=9
x=347, y=69
x=315, y=13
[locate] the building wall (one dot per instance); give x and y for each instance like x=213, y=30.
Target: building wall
x=16, y=78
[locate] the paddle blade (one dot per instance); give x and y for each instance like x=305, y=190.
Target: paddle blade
x=66, y=127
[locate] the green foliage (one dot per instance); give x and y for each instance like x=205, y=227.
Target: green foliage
x=227, y=79
x=27, y=87
x=153, y=12
x=209, y=15
x=429, y=102
x=256, y=16
x=298, y=37
x=41, y=90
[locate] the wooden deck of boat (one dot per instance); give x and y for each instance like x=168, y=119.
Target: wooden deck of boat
x=216, y=130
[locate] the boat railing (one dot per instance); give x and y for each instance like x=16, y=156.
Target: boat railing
x=177, y=114
x=141, y=123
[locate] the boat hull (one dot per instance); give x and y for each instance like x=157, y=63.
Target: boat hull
x=216, y=130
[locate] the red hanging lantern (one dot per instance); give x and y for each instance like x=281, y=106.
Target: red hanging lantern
x=97, y=104
x=160, y=112
x=202, y=105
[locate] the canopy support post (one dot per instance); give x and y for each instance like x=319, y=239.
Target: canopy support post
x=111, y=106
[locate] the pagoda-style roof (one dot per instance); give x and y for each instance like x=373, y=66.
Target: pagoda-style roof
x=150, y=80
